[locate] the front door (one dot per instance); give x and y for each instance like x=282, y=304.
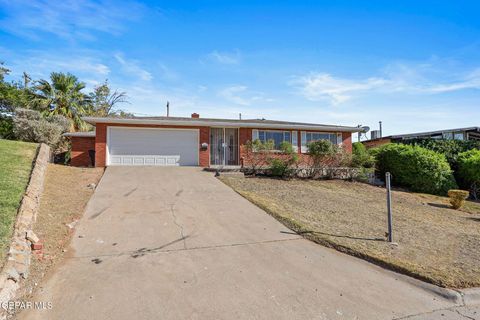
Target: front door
x=223, y=146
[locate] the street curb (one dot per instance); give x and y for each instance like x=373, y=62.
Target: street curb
x=446, y=293
x=471, y=296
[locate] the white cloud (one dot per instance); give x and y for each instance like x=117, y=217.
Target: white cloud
x=40, y=64
x=71, y=19
x=319, y=86
x=232, y=94
x=225, y=57
x=240, y=95
x=399, y=77
x=132, y=67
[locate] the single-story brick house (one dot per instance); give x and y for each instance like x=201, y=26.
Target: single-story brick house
x=191, y=141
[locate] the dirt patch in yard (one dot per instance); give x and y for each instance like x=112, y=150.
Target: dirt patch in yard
x=66, y=193
x=435, y=243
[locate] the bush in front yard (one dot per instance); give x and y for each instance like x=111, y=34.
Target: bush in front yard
x=469, y=170
x=450, y=148
x=361, y=157
x=256, y=155
x=416, y=168
x=457, y=198
x=281, y=163
x=31, y=126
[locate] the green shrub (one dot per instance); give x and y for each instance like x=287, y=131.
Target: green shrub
x=321, y=148
x=361, y=157
x=450, y=148
x=469, y=170
x=286, y=147
x=278, y=167
x=256, y=155
x=416, y=168
x=457, y=198
x=6, y=127
x=281, y=164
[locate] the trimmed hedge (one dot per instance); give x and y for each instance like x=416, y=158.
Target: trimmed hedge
x=469, y=170
x=450, y=148
x=416, y=168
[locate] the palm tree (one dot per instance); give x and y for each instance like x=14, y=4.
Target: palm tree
x=63, y=96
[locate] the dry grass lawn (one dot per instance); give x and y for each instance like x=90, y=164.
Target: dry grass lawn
x=435, y=243
x=63, y=201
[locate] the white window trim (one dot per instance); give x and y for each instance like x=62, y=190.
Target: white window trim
x=255, y=134
x=294, y=137
x=304, y=142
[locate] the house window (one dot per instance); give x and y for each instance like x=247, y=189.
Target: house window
x=276, y=136
x=308, y=137
x=458, y=136
x=448, y=135
x=315, y=136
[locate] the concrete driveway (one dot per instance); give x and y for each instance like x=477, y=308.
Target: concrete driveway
x=175, y=243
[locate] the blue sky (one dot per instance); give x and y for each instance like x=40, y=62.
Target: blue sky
x=412, y=64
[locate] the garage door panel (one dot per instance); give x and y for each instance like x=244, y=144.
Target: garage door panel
x=163, y=147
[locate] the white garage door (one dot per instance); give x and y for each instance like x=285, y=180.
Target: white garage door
x=152, y=147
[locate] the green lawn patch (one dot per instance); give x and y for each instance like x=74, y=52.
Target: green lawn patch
x=16, y=160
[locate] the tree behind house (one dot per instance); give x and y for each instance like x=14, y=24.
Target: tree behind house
x=104, y=102
x=62, y=95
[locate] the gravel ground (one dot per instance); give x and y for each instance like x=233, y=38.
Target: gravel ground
x=435, y=243
x=64, y=198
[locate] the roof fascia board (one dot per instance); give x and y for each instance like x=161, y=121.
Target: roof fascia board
x=219, y=123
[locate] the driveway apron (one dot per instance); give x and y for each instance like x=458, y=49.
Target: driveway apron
x=176, y=243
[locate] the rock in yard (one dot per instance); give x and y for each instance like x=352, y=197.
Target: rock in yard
x=72, y=224
x=37, y=246
x=13, y=274
x=32, y=237
x=92, y=186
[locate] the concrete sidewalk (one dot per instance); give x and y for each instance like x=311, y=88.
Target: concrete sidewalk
x=175, y=243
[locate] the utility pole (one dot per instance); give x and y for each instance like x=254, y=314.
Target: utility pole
x=381, y=134
x=26, y=79
x=168, y=109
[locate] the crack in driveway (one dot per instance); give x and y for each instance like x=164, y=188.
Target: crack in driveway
x=172, y=210
x=159, y=249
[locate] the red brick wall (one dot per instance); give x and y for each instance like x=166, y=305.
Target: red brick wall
x=101, y=141
x=80, y=147
x=376, y=143
x=347, y=141
x=246, y=135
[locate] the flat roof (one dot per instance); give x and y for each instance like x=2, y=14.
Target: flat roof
x=83, y=134
x=211, y=122
x=426, y=133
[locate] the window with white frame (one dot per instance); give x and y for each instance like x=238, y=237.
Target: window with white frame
x=308, y=137
x=277, y=136
x=315, y=136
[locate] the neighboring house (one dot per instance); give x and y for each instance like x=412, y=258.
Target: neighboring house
x=470, y=133
x=191, y=141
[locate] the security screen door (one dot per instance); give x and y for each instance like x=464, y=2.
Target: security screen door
x=224, y=146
